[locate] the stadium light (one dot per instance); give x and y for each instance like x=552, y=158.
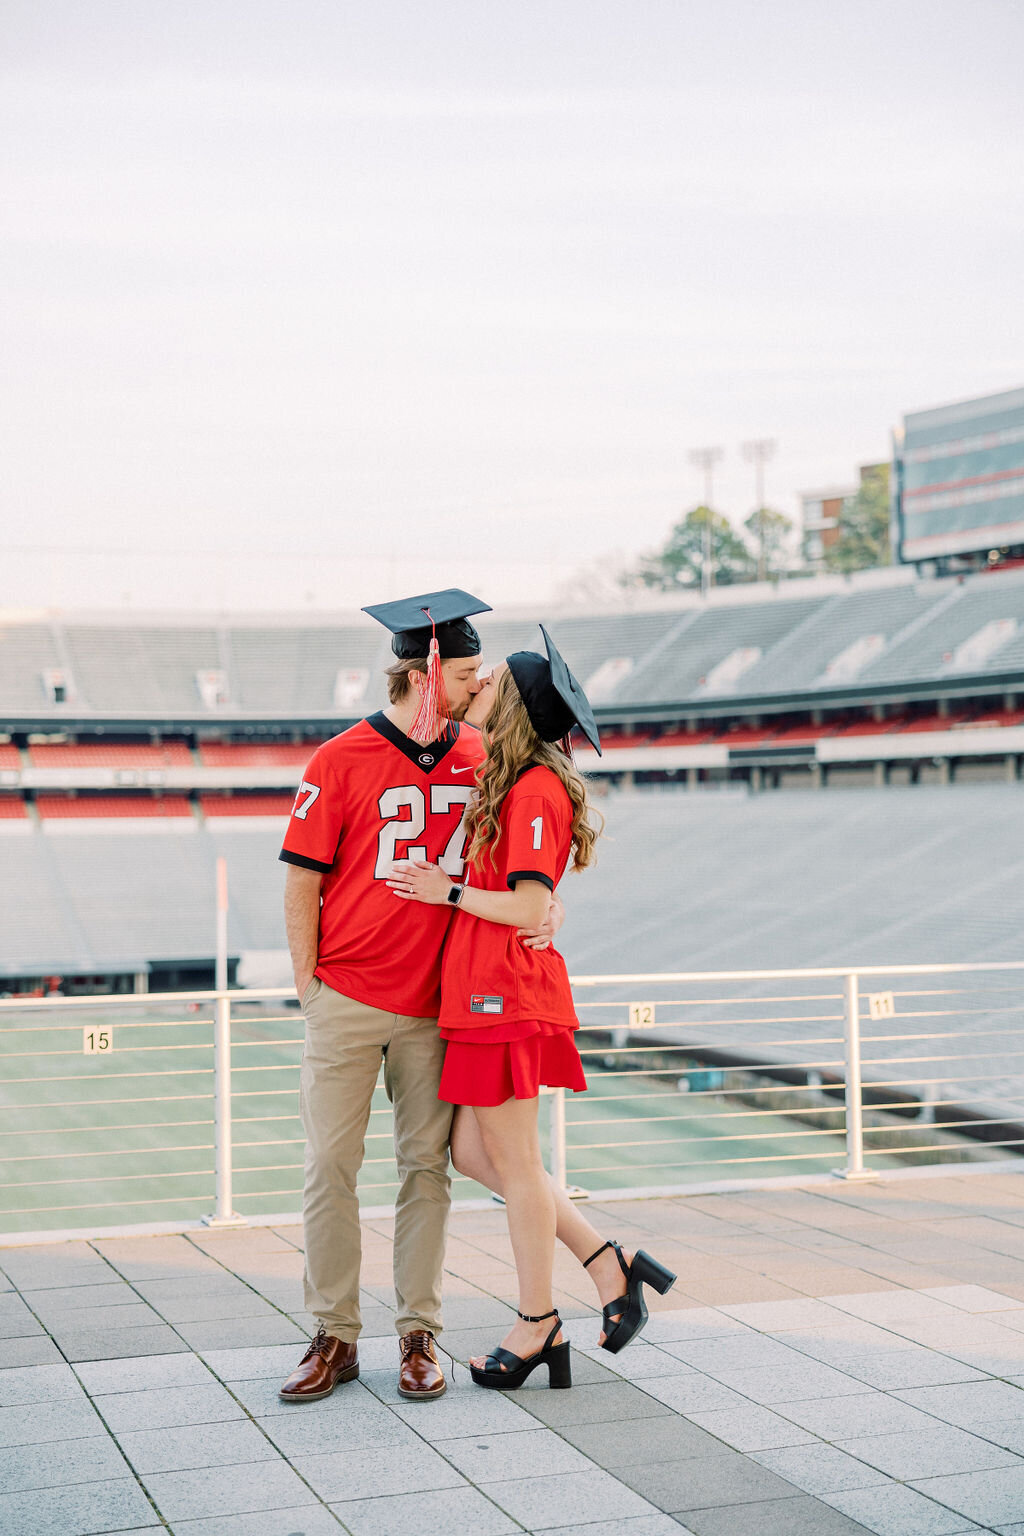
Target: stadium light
x=758, y=451
x=706, y=459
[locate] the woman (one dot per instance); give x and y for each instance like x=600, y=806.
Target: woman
x=507, y=1011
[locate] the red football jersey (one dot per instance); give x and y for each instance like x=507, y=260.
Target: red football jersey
x=368, y=797
x=489, y=977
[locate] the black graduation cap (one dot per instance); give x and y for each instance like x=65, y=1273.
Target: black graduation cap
x=554, y=700
x=413, y=621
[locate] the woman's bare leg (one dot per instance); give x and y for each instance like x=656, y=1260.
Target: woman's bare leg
x=509, y=1135
x=470, y=1157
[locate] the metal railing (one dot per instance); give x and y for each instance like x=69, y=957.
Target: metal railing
x=130, y=1108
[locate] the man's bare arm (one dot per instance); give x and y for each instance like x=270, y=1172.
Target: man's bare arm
x=540, y=938
x=302, y=921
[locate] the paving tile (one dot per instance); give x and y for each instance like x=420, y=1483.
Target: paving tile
x=968, y=1403
x=368, y=1473
x=747, y=1353
x=869, y=1413
x=49, y=1421
x=242, y=1333
x=261, y=1397
x=928, y=1452
x=39, y=1384
x=466, y=1411
x=894, y=1511
x=495, y=1458
x=1009, y=1433
x=155, y=1258
x=726, y=1478
x=799, y=1516
x=315, y=1433
x=35, y=1350
x=909, y=1368
x=452, y=1510
x=310, y=1520
x=168, y=1408
x=692, y=1323
x=818, y=1468
x=693, y=1393
x=894, y=1306
x=221, y=1307
x=791, y=1383
x=196, y=1445
x=778, y=1316
x=16, y=1321
x=990, y=1498
x=753, y=1428
x=54, y=1303
x=614, y=1402
x=246, y=1364
x=100, y=1377
x=637, y=1363
x=41, y=1265
x=238, y=1490
x=91, y=1459
x=109, y=1504
x=118, y=1343
x=622, y=1445
x=539, y=1503
x=972, y=1298
x=70, y=1322
x=639, y=1525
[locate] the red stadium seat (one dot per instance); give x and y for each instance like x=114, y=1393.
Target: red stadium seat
x=108, y=807
x=12, y=808
x=266, y=754
x=246, y=805
x=9, y=757
x=101, y=754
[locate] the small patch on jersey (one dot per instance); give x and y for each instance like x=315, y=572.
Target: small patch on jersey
x=479, y=1003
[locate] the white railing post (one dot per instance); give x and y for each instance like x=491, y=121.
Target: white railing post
x=854, y=1098
x=223, y=1215
x=556, y=1131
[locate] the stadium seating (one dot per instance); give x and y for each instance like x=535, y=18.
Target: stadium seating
x=99, y=754
x=9, y=756
x=750, y=642
x=12, y=808
x=107, y=807
x=246, y=805
x=237, y=754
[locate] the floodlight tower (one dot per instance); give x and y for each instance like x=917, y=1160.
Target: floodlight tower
x=758, y=451
x=706, y=459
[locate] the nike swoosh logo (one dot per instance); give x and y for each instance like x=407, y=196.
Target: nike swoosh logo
x=463, y=770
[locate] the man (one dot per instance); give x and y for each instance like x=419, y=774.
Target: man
x=367, y=970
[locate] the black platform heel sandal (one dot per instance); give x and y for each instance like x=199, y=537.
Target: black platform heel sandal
x=516, y=1369
x=623, y=1319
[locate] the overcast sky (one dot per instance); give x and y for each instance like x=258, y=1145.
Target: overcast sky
x=317, y=303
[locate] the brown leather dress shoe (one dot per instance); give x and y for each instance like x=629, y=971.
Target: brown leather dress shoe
x=326, y=1362
x=419, y=1375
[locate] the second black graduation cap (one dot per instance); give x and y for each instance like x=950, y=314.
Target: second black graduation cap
x=412, y=621
x=554, y=700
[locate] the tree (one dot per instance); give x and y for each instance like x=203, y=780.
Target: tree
x=863, y=539
x=680, y=561
x=769, y=532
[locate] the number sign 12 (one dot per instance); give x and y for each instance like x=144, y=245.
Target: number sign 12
x=96, y=1041
x=640, y=1014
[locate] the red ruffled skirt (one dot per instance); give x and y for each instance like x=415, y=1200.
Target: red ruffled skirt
x=488, y=1072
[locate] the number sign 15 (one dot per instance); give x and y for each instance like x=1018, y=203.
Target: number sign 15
x=96, y=1041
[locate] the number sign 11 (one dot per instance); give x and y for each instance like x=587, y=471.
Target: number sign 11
x=96, y=1041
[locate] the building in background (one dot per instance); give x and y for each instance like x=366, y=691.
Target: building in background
x=819, y=519
x=820, y=513
x=958, y=485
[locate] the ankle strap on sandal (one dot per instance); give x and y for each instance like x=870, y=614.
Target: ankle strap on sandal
x=541, y=1319
x=597, y=1254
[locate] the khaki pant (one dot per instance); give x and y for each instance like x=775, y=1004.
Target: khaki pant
x=345, y=1042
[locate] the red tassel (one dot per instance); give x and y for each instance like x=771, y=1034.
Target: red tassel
x=434, y=717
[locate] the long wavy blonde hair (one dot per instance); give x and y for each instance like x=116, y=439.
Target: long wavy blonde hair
x=512, y=746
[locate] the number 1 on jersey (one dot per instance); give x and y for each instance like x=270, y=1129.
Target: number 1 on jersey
x=538, y=830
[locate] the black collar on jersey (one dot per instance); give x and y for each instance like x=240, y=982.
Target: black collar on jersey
x=554, y=700
x=425, y=758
